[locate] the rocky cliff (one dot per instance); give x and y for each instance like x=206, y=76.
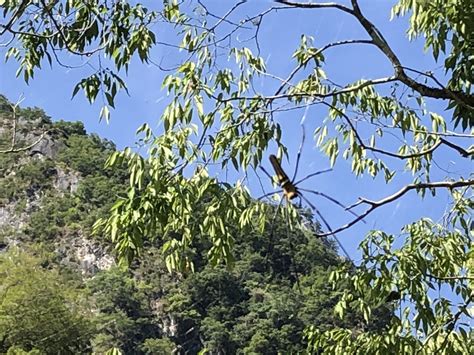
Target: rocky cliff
x=36, y=171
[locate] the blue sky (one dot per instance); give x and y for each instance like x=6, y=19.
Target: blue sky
x=279, y=36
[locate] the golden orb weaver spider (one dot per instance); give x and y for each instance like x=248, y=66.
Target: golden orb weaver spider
x=291, y=190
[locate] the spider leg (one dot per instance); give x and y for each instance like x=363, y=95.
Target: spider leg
x=269, y=194
x=327, y=226
x=267, y=173
x=311, y=175
x=292, y=264
x=343, y=249
x=300, y=202
x=259, y=181
x=313, y=207
x=275, y=216
x=272, y=229
x=332, y=199
x=298, y=156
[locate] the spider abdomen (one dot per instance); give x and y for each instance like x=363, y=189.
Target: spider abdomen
x=289, y=189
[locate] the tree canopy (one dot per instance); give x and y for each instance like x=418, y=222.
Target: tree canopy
x=32, y=297
x=219, y=114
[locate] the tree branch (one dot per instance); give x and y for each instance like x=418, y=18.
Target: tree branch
x=378, y=150
x=312, y=5
x=63, y=36
x=21, y=9
x=451, y=278
x=378, y=39
x=309, y=95
x=376, y=204
x=327, y=46
x=25, y=148
x=12, y=148
x=400, y=74
x=465, y=153
x=450, y=324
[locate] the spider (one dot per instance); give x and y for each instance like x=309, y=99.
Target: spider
x=291, y=190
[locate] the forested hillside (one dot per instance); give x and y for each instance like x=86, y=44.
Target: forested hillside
x=62, y=292
x=177, y=244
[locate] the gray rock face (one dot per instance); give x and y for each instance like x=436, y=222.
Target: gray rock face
x=74, y=249
x=9, y=218
x=4, y=106
x=85, y=253
x=46, y=147
x=27, y=131
x=92, y=257
x=66, y=181
x=72, y=246
x=13, y=217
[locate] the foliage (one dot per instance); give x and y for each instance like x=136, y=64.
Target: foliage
x=277, y=285
x=162, y=196
x=385, y=269
x=263, y=302
x=70, y=213
x=27, y=179
x=173, y=199
x=441, y=23
x=158, y=346
x=124, y=316
x=86, y=155
x=74, y=155
x=33, y=296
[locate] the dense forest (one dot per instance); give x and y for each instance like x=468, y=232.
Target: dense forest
x=62, y=291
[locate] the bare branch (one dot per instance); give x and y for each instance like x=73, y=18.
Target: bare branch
x=376, y=204
x=378, y=150
x=327, y=46
x=224, y=18
x=28, y=147
x=465, y=153
x=311, y=5
x=400, y=74
x=309, y=95
x=451, y=278
x=13, y=148
x=219, y=17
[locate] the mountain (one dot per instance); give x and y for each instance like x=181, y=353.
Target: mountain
x=62, y=291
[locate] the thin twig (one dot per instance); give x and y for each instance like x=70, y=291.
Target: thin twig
x=298, y=156
x=302, y=95
x=453, y=278
x=309, y=5
x=319, y=51
x=376, y=204
x=430, y=150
